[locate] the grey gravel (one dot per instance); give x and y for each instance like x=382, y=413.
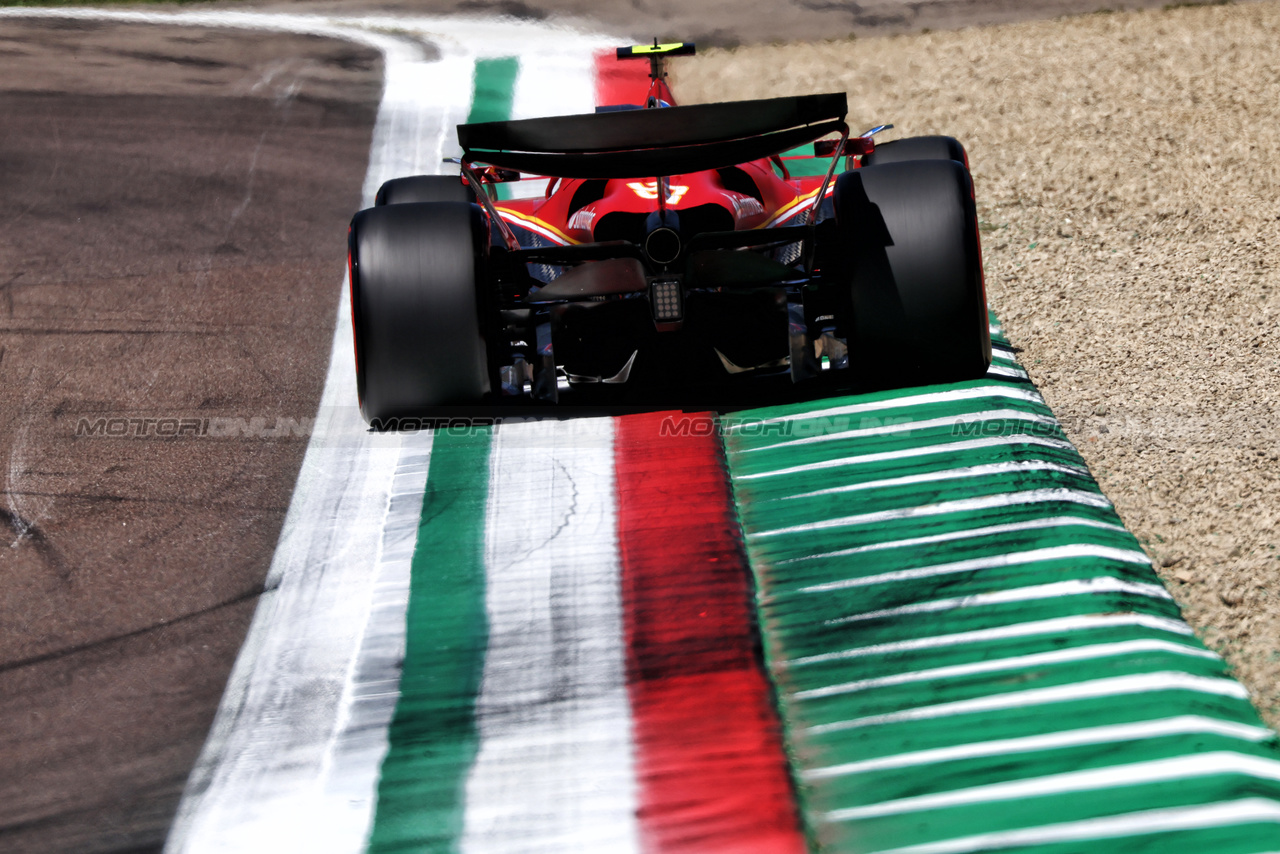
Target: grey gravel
x=1127, y=169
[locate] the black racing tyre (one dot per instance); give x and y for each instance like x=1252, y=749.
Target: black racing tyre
x=917, y=148
x=423, y=188
x=415, y=308
x=909, y=239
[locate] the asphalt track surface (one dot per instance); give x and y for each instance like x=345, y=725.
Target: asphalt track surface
x=171, y=228
x=171, y=246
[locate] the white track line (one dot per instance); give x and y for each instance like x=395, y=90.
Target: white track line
x=359, y=739
x=1002, y=371
x=553, y=769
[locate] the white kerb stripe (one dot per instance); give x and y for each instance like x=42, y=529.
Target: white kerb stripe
x=1002, y=371
x=971, y=533
x=1034, y=593
x=1073, y=551
x=553, y=771
x=1115, y=686
x=551, y=82
x=838, y=431
x=919, y=399
x=1092, y=779
x=961, y=447
x=961, y=505
x=1022, y=662
x=1224, y=814
x=1058, y=625
x=961, y=473
x=1112, y=733
x=554, y=82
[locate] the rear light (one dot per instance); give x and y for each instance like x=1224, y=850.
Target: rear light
x=664, y=294
x=855, y=146
x=859, y=146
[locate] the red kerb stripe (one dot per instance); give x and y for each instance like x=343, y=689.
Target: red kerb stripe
x=712, y=774
x=620, y=82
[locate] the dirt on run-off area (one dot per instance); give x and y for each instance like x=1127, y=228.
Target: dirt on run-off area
x=1127, y=170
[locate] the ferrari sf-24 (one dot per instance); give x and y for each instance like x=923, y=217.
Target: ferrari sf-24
x=677, y=254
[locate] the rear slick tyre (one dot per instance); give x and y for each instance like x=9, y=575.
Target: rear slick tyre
x=917, y=148
x=415, y=308
x=909, y=237
x=423, y=188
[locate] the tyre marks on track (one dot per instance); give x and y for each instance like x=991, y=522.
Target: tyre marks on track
x=434, y=726
x=610, y=698
x=552, y=768
x=555, y=768
x=710, y=762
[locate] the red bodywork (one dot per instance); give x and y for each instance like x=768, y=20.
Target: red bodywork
x=558, y=218
x=779, y=197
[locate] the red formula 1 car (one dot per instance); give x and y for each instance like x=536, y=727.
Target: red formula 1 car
x=675, y=257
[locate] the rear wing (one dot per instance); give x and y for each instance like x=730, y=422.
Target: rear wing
x=650, y=143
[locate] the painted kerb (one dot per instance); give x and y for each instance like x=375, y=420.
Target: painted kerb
x=970, y=651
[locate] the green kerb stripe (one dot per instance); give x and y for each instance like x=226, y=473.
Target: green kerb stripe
x=940, y=577
x=433, y=733
x=493, y=94
x=495, y=89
